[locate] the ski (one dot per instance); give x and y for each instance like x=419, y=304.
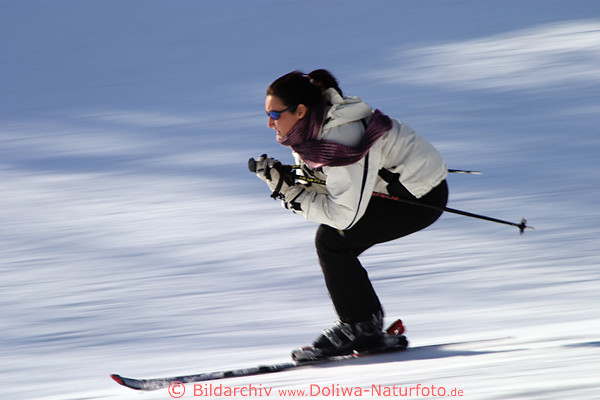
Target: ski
x=159, y=383
x=394, y=333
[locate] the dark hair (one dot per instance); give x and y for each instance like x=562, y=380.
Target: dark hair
x=297, y=87
x=325, y=80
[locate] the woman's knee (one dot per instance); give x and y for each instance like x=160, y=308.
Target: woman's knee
x=328, y=238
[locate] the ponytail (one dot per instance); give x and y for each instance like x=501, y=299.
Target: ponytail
x=297, y=87
x=325, y=80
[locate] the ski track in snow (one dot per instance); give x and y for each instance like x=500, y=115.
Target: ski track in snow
x=134, y=240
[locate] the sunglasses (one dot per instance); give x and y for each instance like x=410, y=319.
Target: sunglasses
x=274, y=115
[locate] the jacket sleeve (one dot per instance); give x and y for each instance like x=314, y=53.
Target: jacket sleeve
x=343, y=200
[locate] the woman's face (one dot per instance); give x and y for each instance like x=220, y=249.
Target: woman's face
x=286, y=120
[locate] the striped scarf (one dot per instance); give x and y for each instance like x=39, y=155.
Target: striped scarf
x=302, y=138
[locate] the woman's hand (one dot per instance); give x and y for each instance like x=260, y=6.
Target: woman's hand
x=280, y=178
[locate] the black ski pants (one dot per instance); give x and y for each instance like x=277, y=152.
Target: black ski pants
x=348, y=282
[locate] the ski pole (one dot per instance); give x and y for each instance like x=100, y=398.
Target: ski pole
x=464, y=171
x=522, y=225
x=452, y=171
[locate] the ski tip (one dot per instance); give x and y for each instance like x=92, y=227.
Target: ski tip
x=117, y=379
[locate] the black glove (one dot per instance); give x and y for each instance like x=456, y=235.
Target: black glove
x=280, y=178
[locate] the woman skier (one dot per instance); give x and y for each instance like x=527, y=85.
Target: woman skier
x=352, y=151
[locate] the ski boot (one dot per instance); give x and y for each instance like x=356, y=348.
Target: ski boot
x=359, y=339
x=343, y=339
x=392, y=340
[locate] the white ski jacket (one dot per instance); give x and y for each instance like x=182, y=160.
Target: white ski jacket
x=342, y=201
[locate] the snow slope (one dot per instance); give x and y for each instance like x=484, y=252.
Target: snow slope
x=135, y=241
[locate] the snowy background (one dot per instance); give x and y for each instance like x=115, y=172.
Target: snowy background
x=135, y=241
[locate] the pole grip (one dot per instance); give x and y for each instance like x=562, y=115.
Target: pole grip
x=252, y=165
